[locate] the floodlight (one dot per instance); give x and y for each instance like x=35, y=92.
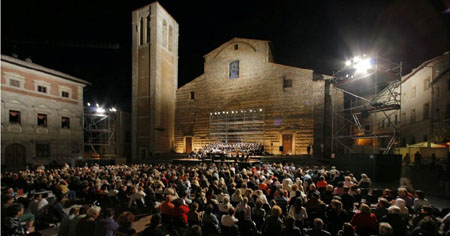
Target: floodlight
x=100, y=110
x=97, y=105
x=362, y=66
x=88, y=104
x=348, y=63
x=113, y=109
x=356, y=59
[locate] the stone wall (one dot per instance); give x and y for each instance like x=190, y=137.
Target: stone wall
x=298, y=110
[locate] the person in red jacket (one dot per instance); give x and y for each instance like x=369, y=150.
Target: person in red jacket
x=365, y=222
x=180, y=211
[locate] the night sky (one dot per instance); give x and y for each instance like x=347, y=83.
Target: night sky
x=92, y=39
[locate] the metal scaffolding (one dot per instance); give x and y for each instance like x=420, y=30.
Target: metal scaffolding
x=98, y=132
x=369, y=121
x=237, y=126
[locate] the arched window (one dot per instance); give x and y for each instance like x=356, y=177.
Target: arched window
x=148, y=29
x=141, y=32
x=164, y=33
x=170, y=37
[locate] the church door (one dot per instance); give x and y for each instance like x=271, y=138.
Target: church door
x=188, y=144
x=15, y=157
x=287, y=143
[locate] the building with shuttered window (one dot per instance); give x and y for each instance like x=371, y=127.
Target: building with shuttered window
x=42, y=114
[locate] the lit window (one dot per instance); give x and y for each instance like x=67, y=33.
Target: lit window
x=42, y=150
x=42, y=120
x=14, y=83
x=65, y=94
x=65, y=122
x=14, y=117
x=41, y=89
x=233, y=70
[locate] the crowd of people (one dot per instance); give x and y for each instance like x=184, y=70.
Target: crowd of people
x=212, y=199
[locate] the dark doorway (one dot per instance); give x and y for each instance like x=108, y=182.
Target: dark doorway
x=15, y=156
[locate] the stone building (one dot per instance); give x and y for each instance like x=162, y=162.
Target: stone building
x=425, y=109
x=244, y=96
x=154, y=80
x=424, y=114
x=42, y=114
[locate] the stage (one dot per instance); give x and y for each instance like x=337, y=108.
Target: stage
x=193, y=161
x=254, y=160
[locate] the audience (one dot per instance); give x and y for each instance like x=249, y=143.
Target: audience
x=212, y=199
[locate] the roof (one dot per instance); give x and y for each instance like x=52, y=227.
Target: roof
x=423, y=65
x=46, y=70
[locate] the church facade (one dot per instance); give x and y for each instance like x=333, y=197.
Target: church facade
x=242, y=96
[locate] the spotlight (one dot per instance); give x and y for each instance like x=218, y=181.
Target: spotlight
x=113, y=109
x=348, y=63
x=356, y=59
x=100, y=110
x=362, y=66
x=89, y=104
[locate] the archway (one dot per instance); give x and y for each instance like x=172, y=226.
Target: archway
x=15, y=156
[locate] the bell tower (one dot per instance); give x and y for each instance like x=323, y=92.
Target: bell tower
x=154, y=80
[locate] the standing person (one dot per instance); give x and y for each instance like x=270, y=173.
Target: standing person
x=405, y=176
x=308, y=149
x=444, y=179
x=418, y=159
x=407, y=159
x=433, y=161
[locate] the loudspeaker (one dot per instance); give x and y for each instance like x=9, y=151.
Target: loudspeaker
x=281, y=148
